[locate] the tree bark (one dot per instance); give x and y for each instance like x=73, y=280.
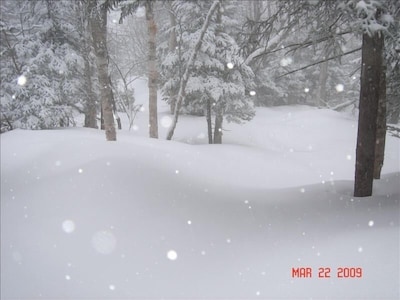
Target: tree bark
x=381, y=127
x=90, y=105
x=323, y=76
x=209, y=122
x=172, y=44
x=172, y=41
x=98, y=22
x=219, y=118
x=372, y=48
x=152, y=70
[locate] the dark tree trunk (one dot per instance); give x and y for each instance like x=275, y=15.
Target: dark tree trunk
x=209, y=122
x=381, y=127
x=152, y=70
x=102, y=127
x=372, y=48
x=219, y=118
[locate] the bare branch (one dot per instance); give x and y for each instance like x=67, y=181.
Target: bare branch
x=319, y=62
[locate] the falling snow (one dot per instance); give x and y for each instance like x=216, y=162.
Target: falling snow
x=172, y=255
x=22, y=80
x=68, y=226
x=112, y=220
x=104, y=242
x=286, y=61
x=166, y=121
x=339, y=88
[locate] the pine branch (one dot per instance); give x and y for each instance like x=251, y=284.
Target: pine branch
x=319, y=62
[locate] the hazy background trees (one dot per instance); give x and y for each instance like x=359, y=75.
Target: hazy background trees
x=284, y=52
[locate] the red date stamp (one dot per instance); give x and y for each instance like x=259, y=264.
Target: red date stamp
x=327, y=272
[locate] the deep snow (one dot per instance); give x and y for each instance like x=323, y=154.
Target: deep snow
x=143, y=218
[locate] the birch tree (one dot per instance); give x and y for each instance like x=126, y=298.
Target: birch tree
x=98, y=26
x=129, y=8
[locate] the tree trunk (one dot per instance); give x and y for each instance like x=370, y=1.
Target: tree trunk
x=209, y=122
x=368, y=111
x=98, y=20
x=90, y=105
x=219, y=118
x=381, y=127
x=172, y=44
x=323, y=76
x=152, y=70
x=86, y=46
x=172, y=41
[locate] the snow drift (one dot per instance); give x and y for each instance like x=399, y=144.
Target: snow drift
x=144, y=218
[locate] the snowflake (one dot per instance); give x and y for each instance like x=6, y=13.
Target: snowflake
x=230, y=65
x=104, y=242
x=172, y=255
x=339, y=88
x=166, y=121
x=21, y=80
x=68, y=226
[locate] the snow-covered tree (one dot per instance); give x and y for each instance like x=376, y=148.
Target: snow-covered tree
x=219, y=81
x=374, y=19
x=39, y=62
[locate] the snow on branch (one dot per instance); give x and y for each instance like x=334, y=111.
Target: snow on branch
x=191, y=61
x=371, y=15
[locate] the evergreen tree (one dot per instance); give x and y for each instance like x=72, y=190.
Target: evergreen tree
x=219, y=81
x=39, y=63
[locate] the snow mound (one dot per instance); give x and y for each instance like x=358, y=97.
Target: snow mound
x=144, y=218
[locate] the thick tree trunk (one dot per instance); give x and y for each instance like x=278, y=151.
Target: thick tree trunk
x=152, y=70
x=372, y=48
x=209, y=121
x=381, y=127
x=219, y=118
x=98, y=20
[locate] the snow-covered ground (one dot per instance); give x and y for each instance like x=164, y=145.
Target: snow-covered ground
x=82, y=218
